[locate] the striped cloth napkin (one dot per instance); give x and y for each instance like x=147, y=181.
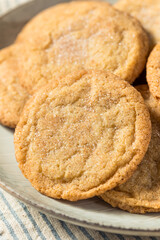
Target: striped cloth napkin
x=20, y=222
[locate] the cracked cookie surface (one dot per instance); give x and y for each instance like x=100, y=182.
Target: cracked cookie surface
x=75, y=35
x=77, y=141
x=147, y=12
x=153, y=71
x=141, y=193
x=12, y=95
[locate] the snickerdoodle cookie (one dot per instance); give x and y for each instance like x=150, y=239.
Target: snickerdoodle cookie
x=81, y=34
x=77, y=141
x=153, y=71
x=12, y=95
x=141, y=193
x=147, y=12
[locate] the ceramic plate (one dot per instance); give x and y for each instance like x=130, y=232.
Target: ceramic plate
x=92, y=213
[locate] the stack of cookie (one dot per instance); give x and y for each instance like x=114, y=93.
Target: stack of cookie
x=141, y=193
x=81, y=128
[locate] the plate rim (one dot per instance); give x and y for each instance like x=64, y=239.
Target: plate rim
x=20, y=5
x=75, y=221
x=60, y=216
